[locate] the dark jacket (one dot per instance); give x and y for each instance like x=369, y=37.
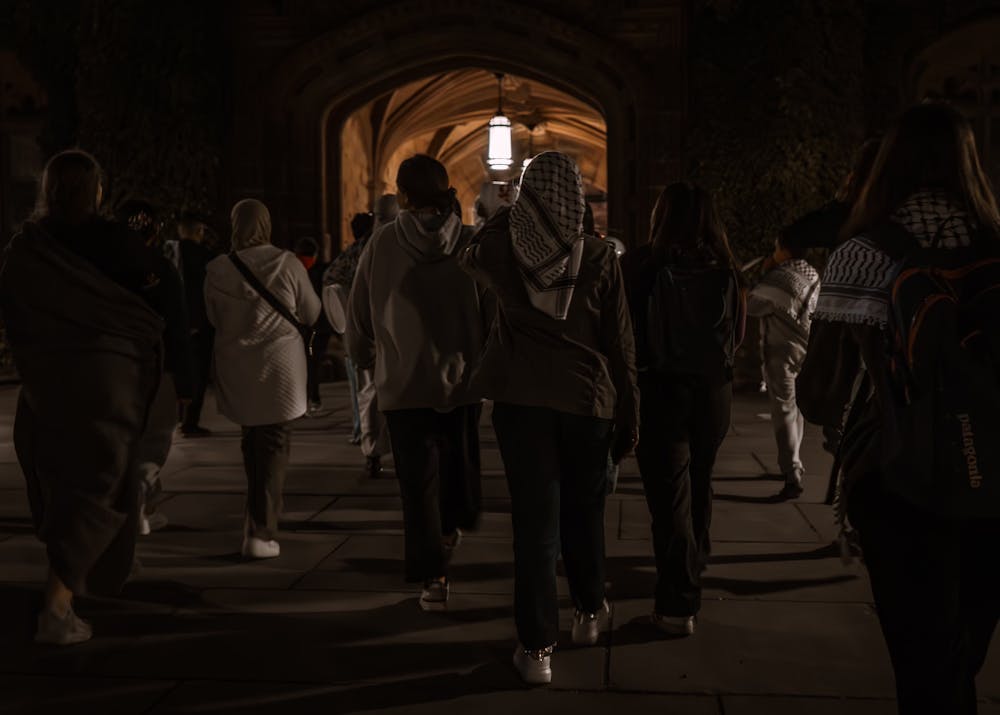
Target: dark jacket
x=194, y=260
x=583, y=365
x=87, y=348
x=640, y=271
x=166, y=297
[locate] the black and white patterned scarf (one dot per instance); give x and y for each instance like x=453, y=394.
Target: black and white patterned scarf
x=859, y=275
x=546, y=228
x=792, y=288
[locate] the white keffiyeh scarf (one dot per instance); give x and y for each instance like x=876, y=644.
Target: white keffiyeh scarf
x=859, y=275
x=546, y=228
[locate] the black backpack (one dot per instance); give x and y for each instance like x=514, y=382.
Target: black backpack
x=942, y=429
x=691, y=321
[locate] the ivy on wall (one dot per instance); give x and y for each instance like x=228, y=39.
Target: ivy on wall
x=141, y=85
x=776, y=107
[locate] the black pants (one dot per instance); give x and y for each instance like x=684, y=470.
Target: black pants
x=202, y=342
x=314, y=364
x=682, y=424
x=436, y=455
x=265, y=457
x=556, y=465
x=936, y=584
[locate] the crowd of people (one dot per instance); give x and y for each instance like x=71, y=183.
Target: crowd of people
x=586, y=356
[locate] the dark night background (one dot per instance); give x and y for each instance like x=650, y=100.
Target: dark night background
x=192, y=105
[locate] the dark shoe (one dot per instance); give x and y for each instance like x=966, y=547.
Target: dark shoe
x=674, y=625
x=195, y=432
x=791, y=490
x=373, y=468
x=434, y=595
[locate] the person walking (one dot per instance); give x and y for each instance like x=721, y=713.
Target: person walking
x=560, y=368
x=916, y=454
x=417, y=321
x=307, y=251
x=260, y=302
x=179, y=379
x=86, y=344
x=193, y=257
x=688, y=310
x=370, y=431
x=784, y=300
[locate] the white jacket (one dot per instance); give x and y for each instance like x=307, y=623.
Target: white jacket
x=260, y=361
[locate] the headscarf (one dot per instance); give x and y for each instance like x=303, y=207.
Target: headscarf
x=546, y=228
x=251, y=224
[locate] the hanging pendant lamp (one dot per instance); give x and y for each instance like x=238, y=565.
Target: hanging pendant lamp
x=500, y=154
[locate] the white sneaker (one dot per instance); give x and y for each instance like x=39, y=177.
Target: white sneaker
x=148, y=523
x=534, y=666
x=434, y=596
x=674, y=625
x=587, y=626
x=67, y=630
x=254, y=548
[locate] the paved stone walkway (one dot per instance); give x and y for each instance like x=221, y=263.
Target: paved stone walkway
x=330, y=627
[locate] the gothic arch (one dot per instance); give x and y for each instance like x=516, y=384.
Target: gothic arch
x=319, y=84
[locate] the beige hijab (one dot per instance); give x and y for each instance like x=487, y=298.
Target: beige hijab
x=251, y=224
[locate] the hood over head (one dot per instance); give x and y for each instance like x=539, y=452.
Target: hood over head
x=428, y=236
x=251, y=224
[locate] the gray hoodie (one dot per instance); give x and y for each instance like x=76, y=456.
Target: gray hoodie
x=415, y=317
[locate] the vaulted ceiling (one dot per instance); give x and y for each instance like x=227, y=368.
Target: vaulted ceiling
x=446, y=116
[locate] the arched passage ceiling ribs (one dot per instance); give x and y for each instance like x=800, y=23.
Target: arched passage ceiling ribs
x=445, y=115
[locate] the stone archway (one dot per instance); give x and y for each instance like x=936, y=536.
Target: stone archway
x=320, y=83
x=445, y=116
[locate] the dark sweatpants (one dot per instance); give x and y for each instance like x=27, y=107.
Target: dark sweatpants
x=682, y=424
x=265, y=458
x=436, y=456
x=202, y=345
x=556, y=465
x=937, y=591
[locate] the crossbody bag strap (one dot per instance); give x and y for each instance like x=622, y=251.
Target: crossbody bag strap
x=280, y=308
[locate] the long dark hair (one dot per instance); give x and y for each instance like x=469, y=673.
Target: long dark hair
x=931, y=147
x=685, y=222
x=70, y=188
x=424, y=180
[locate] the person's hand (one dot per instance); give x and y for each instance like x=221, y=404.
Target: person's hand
x=624, y=441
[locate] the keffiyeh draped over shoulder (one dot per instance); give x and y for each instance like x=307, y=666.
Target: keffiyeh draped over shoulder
x=856, y=285
x=546, y=228
x=859, y=276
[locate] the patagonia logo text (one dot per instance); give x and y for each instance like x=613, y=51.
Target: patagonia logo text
x=969, y=451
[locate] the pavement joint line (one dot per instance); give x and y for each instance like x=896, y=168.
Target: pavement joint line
x=760, y=462
x=162, y=697
x=812, y=526
x=312, y=568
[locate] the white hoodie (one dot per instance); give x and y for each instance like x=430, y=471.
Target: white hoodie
x=415, y=316
x=260, y=361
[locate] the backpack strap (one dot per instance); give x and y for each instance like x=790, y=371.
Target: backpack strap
x=307, y=333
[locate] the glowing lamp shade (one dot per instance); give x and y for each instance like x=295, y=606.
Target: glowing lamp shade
x=500, y=155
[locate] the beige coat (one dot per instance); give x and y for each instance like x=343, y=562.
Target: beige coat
x=260, y=361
